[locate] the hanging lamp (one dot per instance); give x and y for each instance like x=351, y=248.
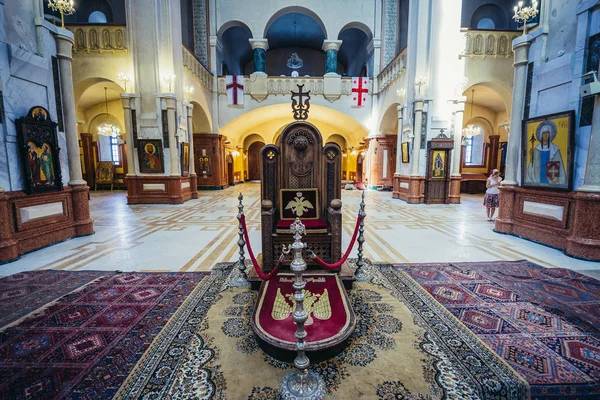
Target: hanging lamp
x=107, y=129
x=471, y=130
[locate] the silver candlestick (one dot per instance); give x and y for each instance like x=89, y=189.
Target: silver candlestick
x=360, y=275
x=242, y=278
x=301, y=383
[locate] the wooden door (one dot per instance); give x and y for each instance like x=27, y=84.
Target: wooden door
x=230, y=179
x=359, y=168
x=254, y=161
x=87, y=165
x=437, y=180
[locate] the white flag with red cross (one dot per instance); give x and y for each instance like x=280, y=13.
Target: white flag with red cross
x=235, y=89
x=360, y=89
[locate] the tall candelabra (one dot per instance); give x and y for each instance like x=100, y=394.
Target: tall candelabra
x=524, y=14
x=65, y=7
x=360, y=275
x=242, y=278
x=301, y=383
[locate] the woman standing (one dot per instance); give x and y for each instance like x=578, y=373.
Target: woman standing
x=491, y=198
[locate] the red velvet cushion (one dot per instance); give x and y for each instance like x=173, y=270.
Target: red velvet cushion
x=308, y=224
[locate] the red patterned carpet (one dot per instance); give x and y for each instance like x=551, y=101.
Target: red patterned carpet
x=25, y=292
x=544, y=322
x=84, y=345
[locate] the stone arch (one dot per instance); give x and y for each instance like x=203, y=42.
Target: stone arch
x=252, y=138
x=201, y=123
x=504, y=92
x=485, y=123
x=295, y=9
x=338, y=139
x=231, y=24
x=389, y=121
x=489, y=11
x=357, y=25
x=81, y=87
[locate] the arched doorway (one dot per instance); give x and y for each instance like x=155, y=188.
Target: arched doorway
x=254, y=161
x=359, y=168
x=230, y=178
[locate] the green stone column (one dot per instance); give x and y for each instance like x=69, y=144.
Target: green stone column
x=260, y=47
x=331, y=48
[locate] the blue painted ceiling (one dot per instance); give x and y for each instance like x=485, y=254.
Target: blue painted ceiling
x=295, y=29
x=354, y=40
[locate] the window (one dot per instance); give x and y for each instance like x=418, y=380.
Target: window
x=486, y=23
x=109, y=144
x=97, y=17
x=469, y=150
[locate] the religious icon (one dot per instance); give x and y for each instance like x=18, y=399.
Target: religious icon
x=204, y=165
x=150, y=156
x=39, y=113
x=185, y=159
x=405, y=154
x=547, y=156
x=438, y=164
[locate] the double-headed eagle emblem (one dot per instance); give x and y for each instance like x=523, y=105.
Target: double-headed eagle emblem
x=299, y=205
x=315, y=304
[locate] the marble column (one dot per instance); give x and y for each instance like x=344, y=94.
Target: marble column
x=521, y=50
x=591, y=181
x=64, y=47
x=260, y=47
x=190, y=127
x=416, y=151
x=331, y=48
x=84, y=225
x=126, y=103
x=171, y=100
x=400, y=110
x=459, y=115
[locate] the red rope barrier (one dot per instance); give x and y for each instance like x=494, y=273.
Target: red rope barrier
x=261, y=274
x=350, y=246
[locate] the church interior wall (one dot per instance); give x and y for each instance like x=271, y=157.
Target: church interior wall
x=314, y=62
x=257, y=13
x=27, y=81
x=482, y=9
x=556, y=63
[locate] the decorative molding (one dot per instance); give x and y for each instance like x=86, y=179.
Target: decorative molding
x=392, y=71
x=200, y=31
x=99, y=38
x=390, y=30
x=488, y=44
x=191, y=63
x=284, y=85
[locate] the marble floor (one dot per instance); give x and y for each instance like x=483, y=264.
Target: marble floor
x=199, y=233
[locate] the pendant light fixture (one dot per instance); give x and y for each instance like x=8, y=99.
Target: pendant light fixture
x=471, y=130
x=108, y=129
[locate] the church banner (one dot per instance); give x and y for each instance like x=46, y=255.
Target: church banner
x=548, y=147
x=360, y=90
x=235, y=89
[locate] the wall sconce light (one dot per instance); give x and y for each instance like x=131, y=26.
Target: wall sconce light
x=188, y=90
x=420, y=82
x=401, y=93
x=169, y=78
x=125, y=79
x=235, y=153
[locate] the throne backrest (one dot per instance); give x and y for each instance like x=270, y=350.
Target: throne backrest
x=299, y=160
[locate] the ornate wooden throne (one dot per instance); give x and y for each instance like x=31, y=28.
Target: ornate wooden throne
x=296, y=173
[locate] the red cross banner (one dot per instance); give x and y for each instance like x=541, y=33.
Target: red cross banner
x=360, y=89
x=235, y=89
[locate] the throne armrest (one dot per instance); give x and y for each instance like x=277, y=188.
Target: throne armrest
x=267, y=217
x=334, y=217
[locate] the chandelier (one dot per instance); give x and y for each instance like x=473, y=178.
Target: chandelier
x=108, y=129
x=471, y=130
x=295, y=62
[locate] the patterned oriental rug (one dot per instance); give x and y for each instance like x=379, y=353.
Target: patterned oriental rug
x=405, y=346
x=25, y=292
x=544, y=322
x=84, y=345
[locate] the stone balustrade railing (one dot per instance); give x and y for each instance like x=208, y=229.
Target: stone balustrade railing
x=488, y=44
x=283, y=85
x=192, y=64
x=99, y=38
x=392, y=71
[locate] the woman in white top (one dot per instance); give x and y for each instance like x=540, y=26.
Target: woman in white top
x=491, y=198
